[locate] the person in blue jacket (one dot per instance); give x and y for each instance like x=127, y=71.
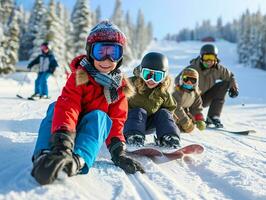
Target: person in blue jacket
x=47, y=65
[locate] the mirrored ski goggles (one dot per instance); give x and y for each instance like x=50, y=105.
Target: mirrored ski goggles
x=192, y=80
x=155, y=75
x=207, y=57
x=102, y=50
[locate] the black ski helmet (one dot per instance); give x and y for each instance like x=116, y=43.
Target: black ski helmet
x=155, y=61
x=208, y=49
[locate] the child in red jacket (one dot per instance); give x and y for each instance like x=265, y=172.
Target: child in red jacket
x=91, y=109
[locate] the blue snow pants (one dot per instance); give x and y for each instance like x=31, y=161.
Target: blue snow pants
x=139, y=122
x=41, y=86
x=92, y=131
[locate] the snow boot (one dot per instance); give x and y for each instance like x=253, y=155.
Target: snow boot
x=136, y=139
x=171, y=141
x=44, y=97
x=215, y=120
x=35, y=96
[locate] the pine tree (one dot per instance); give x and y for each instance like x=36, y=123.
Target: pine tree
x=6, y=8
x=35, y=22
x=244, y=38
x=140, y=44
x=11, y=45
x=69, y=52
x=23, y=20
x=82, y=23
x=119, y=20
x=98, y=15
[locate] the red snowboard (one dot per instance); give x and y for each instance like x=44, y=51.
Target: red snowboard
x=171, y=154
x=145, y=151
x=187, y=150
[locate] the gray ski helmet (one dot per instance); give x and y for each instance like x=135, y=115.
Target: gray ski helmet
x=208, y=49
x=155, y=61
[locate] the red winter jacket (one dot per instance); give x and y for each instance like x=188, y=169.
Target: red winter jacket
x=76, y=101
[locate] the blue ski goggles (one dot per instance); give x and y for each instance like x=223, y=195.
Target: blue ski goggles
x=101, y=51
x=154, y=75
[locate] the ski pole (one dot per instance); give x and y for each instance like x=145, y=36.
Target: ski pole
x=21, y=83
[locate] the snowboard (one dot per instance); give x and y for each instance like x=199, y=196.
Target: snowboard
x=244, y=132
x=145, y=151
x=170, y=154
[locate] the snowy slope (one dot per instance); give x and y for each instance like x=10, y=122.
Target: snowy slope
x=232, y=167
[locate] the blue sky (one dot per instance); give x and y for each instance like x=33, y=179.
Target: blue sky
x=169, y=16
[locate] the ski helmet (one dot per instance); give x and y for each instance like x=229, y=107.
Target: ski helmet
x=105, y=31
x=155, y=61
x=208, y=49
x=186, y=74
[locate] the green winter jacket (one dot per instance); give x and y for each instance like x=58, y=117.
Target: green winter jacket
x=208, y=77
x=151, y=100
x=189, y=101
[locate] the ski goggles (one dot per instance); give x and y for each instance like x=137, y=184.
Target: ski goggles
x=100, y=51
x=192, y=80
x=207, y=57
x=154, y=75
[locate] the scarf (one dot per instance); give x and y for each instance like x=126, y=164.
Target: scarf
x=111, y=82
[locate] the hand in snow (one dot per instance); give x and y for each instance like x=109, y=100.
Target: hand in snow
x=119, y=158
x=129, y=165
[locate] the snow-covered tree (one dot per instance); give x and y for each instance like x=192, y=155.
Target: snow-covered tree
x=98, y=15
x=6, y=8
x=23, y=19
x=118, y=19
x=140, y=43
x=11, y=45
x=35, y=21
x=244, y=37
x=82, y=22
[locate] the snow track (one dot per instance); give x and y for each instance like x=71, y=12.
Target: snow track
x=231, y=167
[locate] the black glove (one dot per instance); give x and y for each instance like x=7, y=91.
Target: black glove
x=233, y=92
x=47, y=166
x=119, y=158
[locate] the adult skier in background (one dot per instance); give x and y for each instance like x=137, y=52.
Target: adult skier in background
x=214, y=82
x=189, y=104
x=47, y=65
x=92, y=109
x=152, y=106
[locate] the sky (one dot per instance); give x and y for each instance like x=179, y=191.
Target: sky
x=170, y=16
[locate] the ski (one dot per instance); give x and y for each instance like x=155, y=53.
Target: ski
x=26, y=98
x=244, y=132
x=30, y=98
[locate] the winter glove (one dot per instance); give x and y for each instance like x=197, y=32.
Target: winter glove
x=201, y=125
x=188, y=126
x=233, y=92
x=47, y=166
x=119, y=158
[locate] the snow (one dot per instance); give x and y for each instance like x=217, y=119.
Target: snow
x=231, y=167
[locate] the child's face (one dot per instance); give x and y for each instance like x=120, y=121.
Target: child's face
x=105, y=66
x=209, y=63
x=151, y=84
